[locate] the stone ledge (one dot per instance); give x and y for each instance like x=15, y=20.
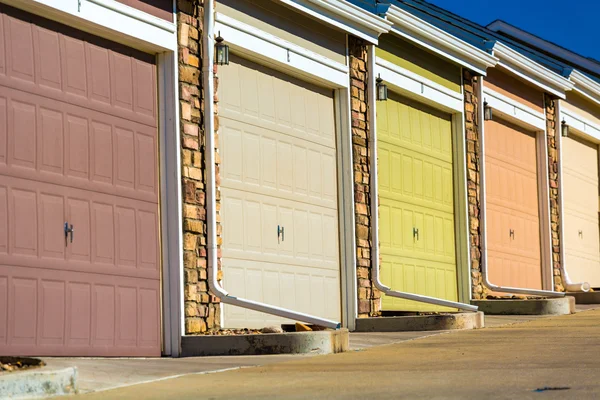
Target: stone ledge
x=317, y=342
x=38, y=383
x=585, y=297
x=437, y=322
x=550, y=306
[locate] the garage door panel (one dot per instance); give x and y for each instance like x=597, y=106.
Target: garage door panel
x=51, y=303
x=301, y=289
x=48, y=61
x=3, y=219
x=52, y=213
x=19, y=49
x=72, y=146
x=23, y=227
x=59, y=314
x=50, y=125
x=261, y=161
x=241, y=101
x=98, y=73
x=74, y=66
x=417, y=276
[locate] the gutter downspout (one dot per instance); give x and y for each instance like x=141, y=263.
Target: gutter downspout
x=483, y=223
x=211, y=213
x=568, y=285
x=372, y=97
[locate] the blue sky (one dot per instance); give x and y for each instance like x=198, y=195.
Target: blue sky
x=573, y=27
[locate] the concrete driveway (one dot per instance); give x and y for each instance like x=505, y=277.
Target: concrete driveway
x=544, y=358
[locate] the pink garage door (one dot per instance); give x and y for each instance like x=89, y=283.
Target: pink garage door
x=78, y=145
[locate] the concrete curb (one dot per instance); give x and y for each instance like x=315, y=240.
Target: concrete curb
x=585, y=298
x=316, y=342
x=439, y=322
x=38, y=383
x=554, y=306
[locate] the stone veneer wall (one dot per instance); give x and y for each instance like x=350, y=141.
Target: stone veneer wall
x=369, y=298
x=553, y=154
x=472, y=131
x=202, y=311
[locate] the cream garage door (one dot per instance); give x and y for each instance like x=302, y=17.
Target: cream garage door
x=513, y=223
x=416, y=210
x=278, y=193
x=78, y=145
x=581, y=241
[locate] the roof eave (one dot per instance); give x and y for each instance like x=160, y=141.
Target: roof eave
x=586, y=86
x=344, y=15
x=439, y=41
x=531, y=71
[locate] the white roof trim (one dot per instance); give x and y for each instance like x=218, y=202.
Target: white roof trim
x=345, y=16
x=531, y=71
x=501, y=26
x=439, y=41
x=586, y=86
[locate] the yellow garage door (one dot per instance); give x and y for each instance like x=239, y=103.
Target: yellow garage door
x=278, y=194
x=581, y=241
x=416, y=210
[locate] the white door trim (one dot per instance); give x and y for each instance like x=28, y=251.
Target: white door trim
x=108, y=19
x=513, y=111
x=263, y=47
x=105, y=18
x=580, y=124
x=418, y=87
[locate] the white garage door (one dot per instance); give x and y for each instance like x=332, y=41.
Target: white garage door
x=278, y=193
x=582, y=244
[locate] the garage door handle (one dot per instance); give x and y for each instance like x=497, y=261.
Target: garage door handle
x=69, y=230
x=280, y=234
x=581, y=234
x=512, y=234
x=415, y=233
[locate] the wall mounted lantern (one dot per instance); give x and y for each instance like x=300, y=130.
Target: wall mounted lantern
x=382, y=94
x=221, y=51
x=488, y=114
x=564, y=128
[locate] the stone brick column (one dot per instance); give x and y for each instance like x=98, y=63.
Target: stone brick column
x=472, y=134
x=553, y=154
x=368, y=296
x=201, y=309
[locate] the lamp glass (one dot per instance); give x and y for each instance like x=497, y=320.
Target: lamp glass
x=488, y=114
x=382, y=93
x=221, y=52
x=564, y=128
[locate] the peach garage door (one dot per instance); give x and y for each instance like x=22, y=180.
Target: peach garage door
x=278, y=192
x=513, y=224
x=78, y=147
x=581, y=241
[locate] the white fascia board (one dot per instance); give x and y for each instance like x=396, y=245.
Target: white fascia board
x=439, y=41
x=345, y=16
x=420, y=88
x=585, y=86
x=531, y=71
x=513, y=110
x=262, y=45
x=581, y=124
x=500, y=26
x=107, y=18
